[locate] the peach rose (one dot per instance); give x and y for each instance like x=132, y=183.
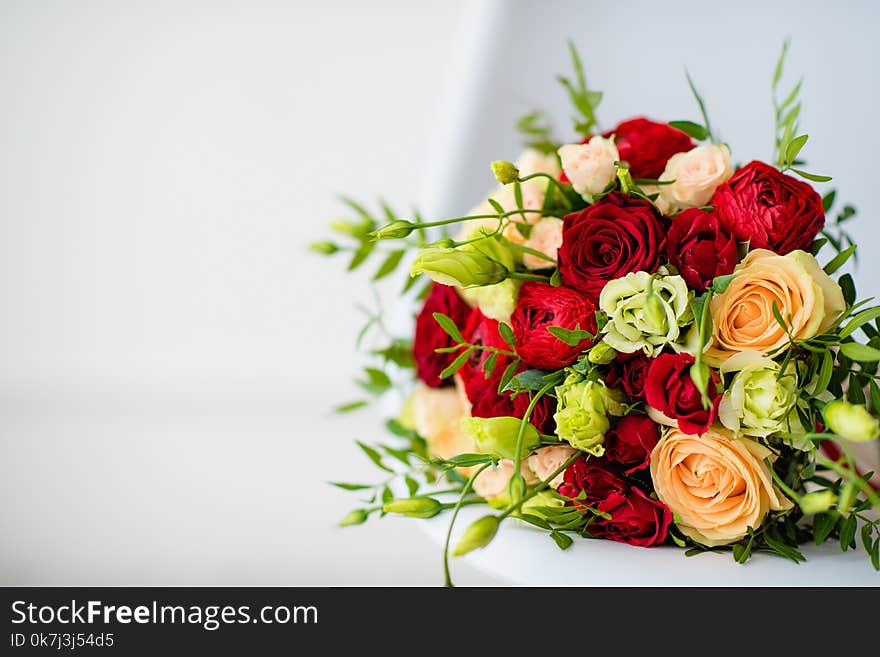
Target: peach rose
x=547, y=460
x=717, y=485
x=590, y=166
x=742, y=316
x=546, y=237
x=696, y=174
x=436, y=417
x=492, y=482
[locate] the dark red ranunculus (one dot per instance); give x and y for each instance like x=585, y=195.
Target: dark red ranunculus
x=540, y=306
x=613, y=237
x=646, y=145
x=700, y=248
x=630, y=441
x=482, y=391
x=429, y=336
x=769, y=209
x=636, y=519
x=670, y=389
x=629, y=372
x=596, y=478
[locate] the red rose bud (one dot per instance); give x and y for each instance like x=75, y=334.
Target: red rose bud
x=429, y=336
x=596, y=478
x=646, y=145
x=769, y=209
x=613, y=237
x=629, y=371
x=699, y=248
x=630, y=441
x=541, y=306
x=482, y=391
x=636, y=519
x=670, y=389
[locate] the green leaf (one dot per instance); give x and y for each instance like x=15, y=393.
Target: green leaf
x=506, y=334
x=848, y=529
x=721, y=283
x=741, y=553
x=528, y=380
x=556, y=278
x=411, y=485
x=489, y=364
x=564, y=541
x=350, y=406
x=570, y=337
x=678, y=541
x=875, y=396
x=875, y=554
x=784, y=550
x=374, y=456
x=794, y=147
x=828, y=200
x=777, y=73
x=506, y=377
x=825, y=371
x=700, y=103
x=823, y=525
x=449, y=326
x=363, y=252
x=861, y=353
x=389, y=265
x=839, y=260
x=858, y=320
x=345, y=486
x=691, y=129
x=535, y=520
x=455, y=365
x=848, y=287
x=468, y=460
x=377, y=381
x=815, y=177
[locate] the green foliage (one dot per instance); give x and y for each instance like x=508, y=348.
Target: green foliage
x=585, y=100
x=537, y=132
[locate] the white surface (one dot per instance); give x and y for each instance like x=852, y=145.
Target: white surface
x=168, y=351
x=524, y=556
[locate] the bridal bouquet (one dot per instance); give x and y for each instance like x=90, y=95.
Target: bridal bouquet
x=635, y=338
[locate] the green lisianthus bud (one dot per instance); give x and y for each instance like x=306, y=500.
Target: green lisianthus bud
x=414, y=507
x=601, y=353
x=847, y=497
x=851, y=421
x=395, y=230
x=505, y=172
x=818, y=501
x=478, y=534
x=462, y=266
x=497, y=435
x=356, y=517
x=324, y=248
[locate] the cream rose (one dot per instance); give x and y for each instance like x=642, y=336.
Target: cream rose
x=717, y=485
x=742, y=316
x=546, y=237
x=696, y=174
x=436, y=417
x=590, y=166
x=547, y=460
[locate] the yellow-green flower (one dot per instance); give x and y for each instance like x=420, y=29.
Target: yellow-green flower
x=497, y=435
x=483, y=262
x=851, y=421
x=582, y=413
x=645, y=311
x=759, y=399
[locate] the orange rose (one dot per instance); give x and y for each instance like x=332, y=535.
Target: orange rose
x=742, y=317
x=717, y=485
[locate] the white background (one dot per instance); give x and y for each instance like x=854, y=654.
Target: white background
x=169, y=351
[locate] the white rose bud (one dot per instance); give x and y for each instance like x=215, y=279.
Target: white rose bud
x=590, y=167
x=696, y=173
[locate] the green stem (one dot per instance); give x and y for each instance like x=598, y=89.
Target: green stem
x=785, y=487
x=528, y=277
x=847, y=473
x=444, y=222
x=542, y=486
x=522, y=429
x=467, y=487
x=552, y=185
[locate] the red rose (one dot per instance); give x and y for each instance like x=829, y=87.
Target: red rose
x=670, y=389
x=630, y=441
x=700, y=248
x=429, y=336
x=482, y=391
x=596, y=478
x=629, y=371
x=541, y=305
x=635, y=519
x=613, y=237
x=646, y=145
x=769, y=209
